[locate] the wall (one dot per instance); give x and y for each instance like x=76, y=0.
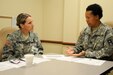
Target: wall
x=57, y=20
x=60, y=23
x=5, y=21
x=65, y=19
x=12, y=8
x=53, y=20
x=107, y=11
x=71, y=20
x=61, y=20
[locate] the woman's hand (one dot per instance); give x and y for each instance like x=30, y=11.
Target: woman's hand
x=71, y=52
x=79, y=54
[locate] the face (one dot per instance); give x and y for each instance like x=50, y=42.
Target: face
x=91, y=19
x=28, y=26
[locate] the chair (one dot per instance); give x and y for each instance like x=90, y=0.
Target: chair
x=109, y=23
x=3, y=34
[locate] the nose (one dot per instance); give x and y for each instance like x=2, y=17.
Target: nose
x=32, y=24
x=32, y=27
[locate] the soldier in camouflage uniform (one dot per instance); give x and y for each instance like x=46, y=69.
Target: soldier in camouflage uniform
x=22, y=41
x=96, y=40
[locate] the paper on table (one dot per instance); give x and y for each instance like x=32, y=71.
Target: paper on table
x=19, y=64
x=65, y=58
x=59, y=57
x=89, y=61
x=8, y=65
x=39, y=60
x=23, y=63
x=5, y=66
x=35, y=61
x=51, y=56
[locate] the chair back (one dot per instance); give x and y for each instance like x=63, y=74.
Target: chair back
x=3, y=36
x=109, y=23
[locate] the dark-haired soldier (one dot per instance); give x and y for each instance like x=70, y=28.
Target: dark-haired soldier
x=96, y=41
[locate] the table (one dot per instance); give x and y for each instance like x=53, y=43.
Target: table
x=57, y=67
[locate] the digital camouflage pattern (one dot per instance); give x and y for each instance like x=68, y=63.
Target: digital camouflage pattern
x=97, y=44
x=18, y=45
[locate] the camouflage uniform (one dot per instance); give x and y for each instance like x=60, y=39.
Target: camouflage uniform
x=19, y=46
x=97, y=44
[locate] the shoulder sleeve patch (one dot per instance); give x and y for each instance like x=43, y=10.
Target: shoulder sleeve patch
x=110, y=41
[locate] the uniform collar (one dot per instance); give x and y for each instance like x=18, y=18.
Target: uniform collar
x=20, y=34
x=97, y=31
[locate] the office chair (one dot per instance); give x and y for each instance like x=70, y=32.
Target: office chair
x=3, y=34
x=109, y=23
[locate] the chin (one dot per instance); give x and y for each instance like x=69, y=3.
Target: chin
x=89, y=25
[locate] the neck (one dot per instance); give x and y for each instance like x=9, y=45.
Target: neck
x=24, y=32
x=96, y=24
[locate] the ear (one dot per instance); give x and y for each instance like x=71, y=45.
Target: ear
x=21, y=25
x=97, y=17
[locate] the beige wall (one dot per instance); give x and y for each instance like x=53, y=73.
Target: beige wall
x=53, y=19
x=12, y=8
x=71, y=20
x=5, y=22
x=52, y=48
x=61, y=20
x=57, y=20
x=107, y=11
x=72, y=12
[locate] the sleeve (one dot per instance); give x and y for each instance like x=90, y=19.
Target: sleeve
x=106, y=51
x=79, y=45
x=38, y=45
x=8, y=48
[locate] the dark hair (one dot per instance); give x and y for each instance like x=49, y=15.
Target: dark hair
x=96, y=10
x=21, y=19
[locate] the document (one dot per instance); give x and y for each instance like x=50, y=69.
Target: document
x=35, y=61
x=53, y=56
x=9, y=65
x=5, y=66
x=65, y=58
x=89, y=61
x=39, y=60
x=17, y=63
